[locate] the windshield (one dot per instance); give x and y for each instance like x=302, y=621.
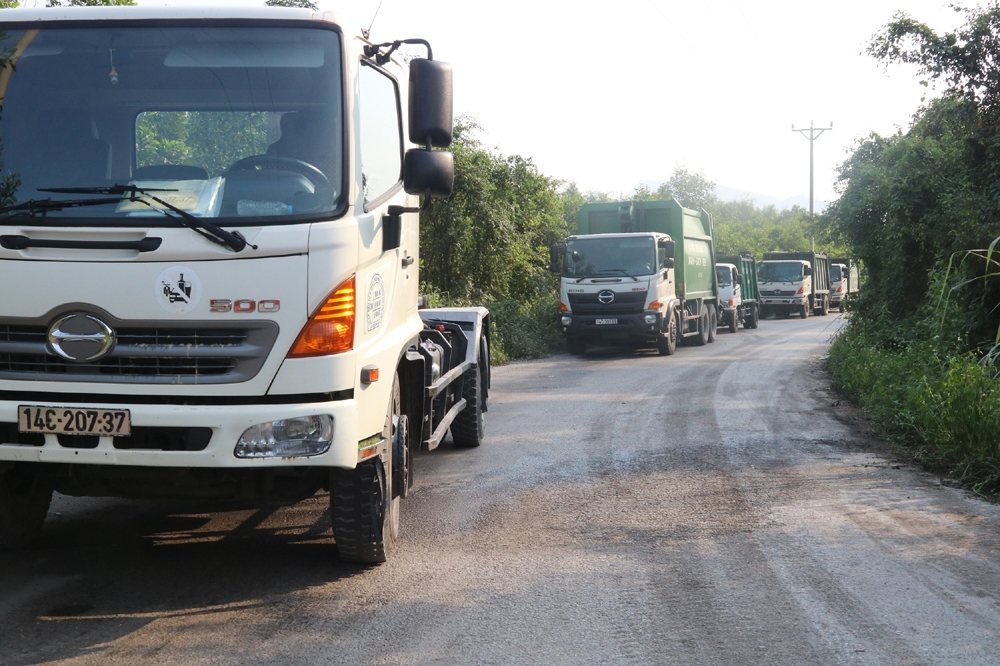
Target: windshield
x=780, y=271
x=724, y=275
x=225, y=122
x=608, y=257
x=835, y=275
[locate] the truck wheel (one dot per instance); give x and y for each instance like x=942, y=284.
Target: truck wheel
x=576, y=346
x=468, y=427
x=25, y=495
x=824, y=309
x=364, y=514
x=734, y=321
x=702, y=338
x=804, y=312
x=753, y=319
x=713, y=322
x=667, y=344
x=841, y=306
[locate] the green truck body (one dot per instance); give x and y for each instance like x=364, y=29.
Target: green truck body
x=638, y=273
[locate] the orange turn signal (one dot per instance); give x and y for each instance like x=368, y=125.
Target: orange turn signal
x=331, y=328
x=563, y=308
x=802, y=290
x=655, y=305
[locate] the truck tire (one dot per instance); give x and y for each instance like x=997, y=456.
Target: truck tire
x=804, y=311
x=713, y=322
x=702, y=338
x=842, y=306
x=824, y=309
x=576, y=346
x=364, y=514
x=753, y=318
x=25, y=495
x=468, y=428
x=734, y=321
x=667, y=344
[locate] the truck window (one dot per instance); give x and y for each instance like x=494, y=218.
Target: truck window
x=380, y=130
x=779, y=271
x=249, y=118
x=724, y=276
x=610, y=256
x=835, y=275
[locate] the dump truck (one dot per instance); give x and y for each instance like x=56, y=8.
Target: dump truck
x=638, y=273
x=794, y=282
x=844, y=281
x=739, y=297
x=208, y=264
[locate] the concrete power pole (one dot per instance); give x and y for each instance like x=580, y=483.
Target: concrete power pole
x=814, y=133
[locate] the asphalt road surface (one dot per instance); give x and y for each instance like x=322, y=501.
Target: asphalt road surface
x=714, y=507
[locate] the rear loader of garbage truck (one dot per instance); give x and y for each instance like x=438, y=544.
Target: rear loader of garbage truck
x=794, y=282
x=638, y=273
x=844, y=281
x=739, y=297
x=241, y=323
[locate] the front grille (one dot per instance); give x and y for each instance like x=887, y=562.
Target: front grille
x=144, y=438
x=627, y=302
x=205, y=353
x=778, y=292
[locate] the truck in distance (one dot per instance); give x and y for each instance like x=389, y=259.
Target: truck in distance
x=638, y=273
x=844, y=281
x=739, y=297
x=208, y=268
x=794, y=282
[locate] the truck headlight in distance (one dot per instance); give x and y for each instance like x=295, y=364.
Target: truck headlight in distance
x=301, y=436
x=649, y=319
x=566, y=321
x=331, y=328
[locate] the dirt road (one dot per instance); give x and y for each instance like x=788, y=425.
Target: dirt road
x=714, y=507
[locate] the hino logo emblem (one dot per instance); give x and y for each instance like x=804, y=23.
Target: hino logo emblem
x=606, y=296
x=80, y=337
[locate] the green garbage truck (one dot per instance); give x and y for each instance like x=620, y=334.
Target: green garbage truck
x=794, y=282
x=638, y=273
x=844, y=281
x=739, y=297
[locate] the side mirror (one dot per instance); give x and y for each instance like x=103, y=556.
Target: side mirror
x=668, y=262
x=431, y=105
x=555, y=251
x=807, y=271
x=429, y=172
x=668, y=248
x=737, y=277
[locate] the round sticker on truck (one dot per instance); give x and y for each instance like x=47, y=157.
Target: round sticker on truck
x=376, y=302
x=178, y=289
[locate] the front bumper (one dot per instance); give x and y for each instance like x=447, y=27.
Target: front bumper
x=226, y=422
x=617, y=327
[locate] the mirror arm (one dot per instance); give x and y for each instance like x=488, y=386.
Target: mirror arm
x=383, y=58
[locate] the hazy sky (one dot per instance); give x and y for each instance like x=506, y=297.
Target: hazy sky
x=610, y=94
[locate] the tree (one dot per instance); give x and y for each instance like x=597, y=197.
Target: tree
x=689, y=189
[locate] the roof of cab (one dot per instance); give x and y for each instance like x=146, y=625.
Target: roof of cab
x=147, y=12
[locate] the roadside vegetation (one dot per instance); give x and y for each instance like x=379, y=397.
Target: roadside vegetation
x=920, y=209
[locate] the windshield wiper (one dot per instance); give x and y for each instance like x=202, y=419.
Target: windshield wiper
x=617, y=270
x=34, y=206
x=233, y=240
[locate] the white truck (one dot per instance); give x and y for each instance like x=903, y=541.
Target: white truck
x=208, y=265
x=844, y=281
x=794, y=282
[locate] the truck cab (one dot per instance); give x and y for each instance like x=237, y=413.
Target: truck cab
x=730, y=295
x=794, y=282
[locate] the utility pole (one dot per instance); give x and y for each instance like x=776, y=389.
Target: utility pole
x=814, y=133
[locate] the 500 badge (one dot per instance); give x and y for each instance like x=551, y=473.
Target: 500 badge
x=243, y=305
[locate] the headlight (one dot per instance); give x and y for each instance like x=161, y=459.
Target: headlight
x=302, y=436
x=650, y=319
x=566, y=321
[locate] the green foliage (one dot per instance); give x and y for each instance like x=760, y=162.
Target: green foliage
x=214, y=140
x=9, y=4
x=92, y=3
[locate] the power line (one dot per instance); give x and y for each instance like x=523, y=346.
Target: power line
x=814, y=133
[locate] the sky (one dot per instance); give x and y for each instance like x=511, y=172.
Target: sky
x=612, y=94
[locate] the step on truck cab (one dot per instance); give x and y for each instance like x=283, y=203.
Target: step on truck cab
x=794, y=282
x=739, y=297
x=208, y=264
x=638, y=273
x=844, y=281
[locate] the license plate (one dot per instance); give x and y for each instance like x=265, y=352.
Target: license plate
x=601, y=322
x=74, y=420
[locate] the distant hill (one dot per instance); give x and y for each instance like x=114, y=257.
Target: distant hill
x=735, y=194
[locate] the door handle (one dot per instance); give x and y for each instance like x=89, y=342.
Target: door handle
x=407, y=260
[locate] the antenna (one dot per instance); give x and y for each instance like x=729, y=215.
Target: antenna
x=369, y=30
